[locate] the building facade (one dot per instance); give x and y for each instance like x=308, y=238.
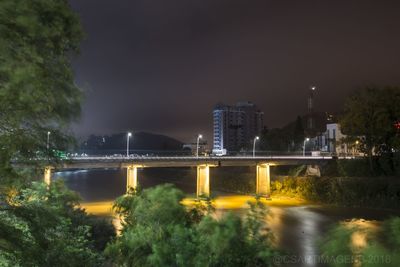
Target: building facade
x=235, y=126
x=335, y=139
x=332, y=141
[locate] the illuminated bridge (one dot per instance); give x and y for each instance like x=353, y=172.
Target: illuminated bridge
x=203, y=165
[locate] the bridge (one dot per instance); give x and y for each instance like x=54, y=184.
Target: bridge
x=203, y=165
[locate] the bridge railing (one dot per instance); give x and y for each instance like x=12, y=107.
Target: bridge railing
x=200, y=158
x=165, y=153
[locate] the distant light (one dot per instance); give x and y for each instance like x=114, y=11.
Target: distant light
x=200, y=136
x=48, y=133
x=129, y=134
x=313, y=88
x=307, y=139
x=257, y=137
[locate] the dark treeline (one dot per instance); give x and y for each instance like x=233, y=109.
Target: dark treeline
x=139, y=141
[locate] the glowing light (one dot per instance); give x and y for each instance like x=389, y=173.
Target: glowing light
x=363, y=230
x=254, y=146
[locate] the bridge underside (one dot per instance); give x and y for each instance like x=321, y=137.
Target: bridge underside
x=203, y=179
x=203, y=165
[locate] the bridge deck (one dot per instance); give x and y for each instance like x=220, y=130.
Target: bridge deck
x=124, y=162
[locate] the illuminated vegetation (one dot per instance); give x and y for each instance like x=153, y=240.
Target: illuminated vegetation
x=362, y=245
x=160, y=231
x=43, y=227
x=346, y=191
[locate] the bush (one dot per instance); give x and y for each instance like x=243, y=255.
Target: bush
x=159, y=231
x=384, y=165
x=38, y=227
x=348, y=191
x=376, y=252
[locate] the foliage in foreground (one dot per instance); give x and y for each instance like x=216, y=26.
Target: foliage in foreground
x=37, y=89
x=345, y=245
x=42, y=227
x=159, y=231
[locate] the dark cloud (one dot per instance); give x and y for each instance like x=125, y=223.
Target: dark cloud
x=161, y=65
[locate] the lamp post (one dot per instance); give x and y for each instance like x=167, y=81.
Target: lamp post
x=127, y=143
x=355, y=148
x=48, y=140
x=197, y=144
x=254, y=146
x=304, y=146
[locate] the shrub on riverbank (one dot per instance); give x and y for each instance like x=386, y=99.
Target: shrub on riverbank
x=385, y=165
x=159, y=231
x=362, y=244
x=347, y=191
x=43, y=226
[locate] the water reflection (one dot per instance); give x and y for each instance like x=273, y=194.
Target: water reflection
x=297, y=226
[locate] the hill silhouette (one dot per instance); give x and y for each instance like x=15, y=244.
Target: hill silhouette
x=139, y=142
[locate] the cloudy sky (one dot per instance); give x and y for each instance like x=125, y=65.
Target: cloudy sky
x=161, y=65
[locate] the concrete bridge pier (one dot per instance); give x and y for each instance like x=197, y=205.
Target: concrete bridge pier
x=131, y=178
x=203, y=180
x=47, y=175
x=263, y=181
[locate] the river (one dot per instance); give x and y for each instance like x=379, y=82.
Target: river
x=297, y=226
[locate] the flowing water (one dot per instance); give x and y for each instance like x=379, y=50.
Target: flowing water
x=297, y=226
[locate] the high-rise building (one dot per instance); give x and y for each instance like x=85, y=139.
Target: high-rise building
x=235, y=126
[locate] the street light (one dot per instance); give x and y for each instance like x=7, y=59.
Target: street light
x=254, y=145
x=197, y=144
x=354, y=148
x=127, y=143
x=304, y=146
x=48, y=140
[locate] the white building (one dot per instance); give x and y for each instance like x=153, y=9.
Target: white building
x=334, y=138
x=235, y=126
x=332, y=141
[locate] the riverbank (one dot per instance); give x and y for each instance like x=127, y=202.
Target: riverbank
x=226, y=202
x=368, y=192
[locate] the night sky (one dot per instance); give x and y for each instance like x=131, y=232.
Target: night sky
x=162, y=65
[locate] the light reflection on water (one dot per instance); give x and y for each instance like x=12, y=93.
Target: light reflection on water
x=296, y=226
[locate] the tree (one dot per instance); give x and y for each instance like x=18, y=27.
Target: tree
x=289, y=137
x=40, y=226
x=370, y=115
x=159, y=231
x=37, y=229
x=37, y=92
x=276, y=139
x=298, y=133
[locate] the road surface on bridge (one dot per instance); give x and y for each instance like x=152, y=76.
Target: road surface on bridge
x=90, y=162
